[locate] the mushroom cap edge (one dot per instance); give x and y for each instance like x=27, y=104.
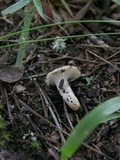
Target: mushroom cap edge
x=69, y=72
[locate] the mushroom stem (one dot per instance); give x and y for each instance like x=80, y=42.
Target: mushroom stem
x=67, y=93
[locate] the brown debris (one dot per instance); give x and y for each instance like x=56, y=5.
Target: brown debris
x=39, y=109
x=11, y=74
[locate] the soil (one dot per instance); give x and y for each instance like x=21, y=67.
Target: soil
x=30, y=105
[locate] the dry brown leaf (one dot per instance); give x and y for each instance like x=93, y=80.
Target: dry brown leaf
x=3, y=59
x=80, y=14
x=47, y=11
x=37, y=17
x=11, y=74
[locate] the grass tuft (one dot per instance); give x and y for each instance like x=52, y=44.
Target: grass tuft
x=104, y=112
x=13, y=8
x=24, y=37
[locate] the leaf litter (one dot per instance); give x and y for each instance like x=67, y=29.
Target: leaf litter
x=39, y=108
x=11, y=74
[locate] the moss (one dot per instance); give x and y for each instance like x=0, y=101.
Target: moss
x=4, y=135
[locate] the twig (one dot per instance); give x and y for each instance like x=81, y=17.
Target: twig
x=56, y=122
x=50, y=109
x=51, y=152
x=115, y=23
x=55, y=111
x=95, y=39
x=27, y=108
x=79, y=15
x=68, y=119
x=104, y=60
x=34, y=76
x=8, y=106
x=97, y=151
x=113, y=55
x=69, y=57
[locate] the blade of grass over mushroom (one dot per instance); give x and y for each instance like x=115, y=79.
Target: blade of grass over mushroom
x=58, y=23
x=24, y=36
x=102, y=113
x=18, y=5
x=53, y=38
x=38, y=6
x=116, y=1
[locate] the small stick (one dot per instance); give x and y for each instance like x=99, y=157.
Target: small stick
x=104, y=60
x=51, y=110
x=97, y=151
x=68, y=119
x=8, y=106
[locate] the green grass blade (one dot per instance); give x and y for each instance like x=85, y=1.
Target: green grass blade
x=116, y=1
x=38, y=6
x=18, y=5
x=59, y=23
x=23, y=37
x=103, y=112
x=53, y=38
x=67, y=7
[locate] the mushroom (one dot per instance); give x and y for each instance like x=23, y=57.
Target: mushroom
x=60, y=77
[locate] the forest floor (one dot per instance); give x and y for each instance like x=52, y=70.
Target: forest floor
x=30, y=105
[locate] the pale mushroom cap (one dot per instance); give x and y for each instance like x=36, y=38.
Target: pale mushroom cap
x=69, y=72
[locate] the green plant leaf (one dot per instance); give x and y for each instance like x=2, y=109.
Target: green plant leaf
x=18, y=5
x=62, y=23
x=38, y=6
x=24, y=36
x=102, y=113
x=116, y=1
x=67, y=7
x=53, y=38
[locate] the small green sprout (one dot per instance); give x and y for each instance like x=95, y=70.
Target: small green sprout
x=89, y=80
x=35, y=145
x=1, y=107
x=59, y=44
x=6, y=136
x=3, y=123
